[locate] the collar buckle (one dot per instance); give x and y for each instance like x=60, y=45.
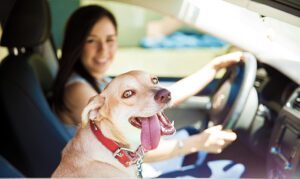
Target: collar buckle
x=118, y=153
x=125, y=156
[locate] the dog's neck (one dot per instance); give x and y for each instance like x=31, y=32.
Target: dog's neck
x=126, y=156
x=111, y=131
x=96, y=151
x=120, y=130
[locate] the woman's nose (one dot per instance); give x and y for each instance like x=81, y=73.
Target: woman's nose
x=101, y=46
x=102, y=49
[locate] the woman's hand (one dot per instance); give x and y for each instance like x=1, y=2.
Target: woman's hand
x=212, y=140
x=226, y=60
x=194, y=83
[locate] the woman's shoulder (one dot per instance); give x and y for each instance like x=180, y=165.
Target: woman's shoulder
x=77, y=86
x=76, y=97
x=79, y=90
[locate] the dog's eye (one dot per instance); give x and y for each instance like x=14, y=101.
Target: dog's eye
x=154, y=80
x=128, y=93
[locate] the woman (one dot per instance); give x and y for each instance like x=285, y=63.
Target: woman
x=89, y=47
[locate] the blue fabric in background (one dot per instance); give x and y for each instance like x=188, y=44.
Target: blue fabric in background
x=183, y=39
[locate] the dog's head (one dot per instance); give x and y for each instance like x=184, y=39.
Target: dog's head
x=130, y=110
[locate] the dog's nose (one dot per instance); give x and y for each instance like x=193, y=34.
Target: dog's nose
x=162, y=96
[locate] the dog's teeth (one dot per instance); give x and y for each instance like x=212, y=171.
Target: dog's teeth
x=172, y=123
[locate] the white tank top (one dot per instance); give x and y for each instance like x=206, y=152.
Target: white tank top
x=76, y=78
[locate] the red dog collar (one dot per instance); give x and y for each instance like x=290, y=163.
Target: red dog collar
x=125, y=156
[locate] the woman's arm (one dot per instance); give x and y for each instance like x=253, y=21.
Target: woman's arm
x=194, y=83
x=212, y=140
x=76, y=97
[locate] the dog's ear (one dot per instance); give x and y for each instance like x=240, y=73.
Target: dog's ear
x=90, y=112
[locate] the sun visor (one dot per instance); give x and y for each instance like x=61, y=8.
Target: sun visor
x=28, y=24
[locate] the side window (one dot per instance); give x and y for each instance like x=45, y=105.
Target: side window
x=156, y=43
x=3, y=50
x=159, y=44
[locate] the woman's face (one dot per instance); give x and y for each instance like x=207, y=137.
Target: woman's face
x=100, y=48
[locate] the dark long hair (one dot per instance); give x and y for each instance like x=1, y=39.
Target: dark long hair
x=77, y=29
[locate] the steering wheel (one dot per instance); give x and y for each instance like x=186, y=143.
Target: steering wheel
x=230, y=96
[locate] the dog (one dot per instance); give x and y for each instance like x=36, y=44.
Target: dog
x=118, y=126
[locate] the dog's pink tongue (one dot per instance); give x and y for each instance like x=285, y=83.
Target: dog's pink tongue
x=150, y=134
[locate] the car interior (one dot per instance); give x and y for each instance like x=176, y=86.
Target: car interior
x=262, y=95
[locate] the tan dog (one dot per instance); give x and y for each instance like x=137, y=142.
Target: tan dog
x=126, y=115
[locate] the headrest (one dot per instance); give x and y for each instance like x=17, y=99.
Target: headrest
x=5, y=8
x=28, y=24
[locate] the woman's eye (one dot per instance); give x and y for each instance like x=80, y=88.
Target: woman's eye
x=154, y=80
x=128, y=93
x=90, y=40
x=110, y=40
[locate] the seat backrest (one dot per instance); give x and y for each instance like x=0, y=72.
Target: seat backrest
x=40, y=134
x=7, y=170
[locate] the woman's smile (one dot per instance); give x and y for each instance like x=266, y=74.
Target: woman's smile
x=101, y=61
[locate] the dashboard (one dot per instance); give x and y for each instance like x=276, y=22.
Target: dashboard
x=284, y=150
x=280, y=97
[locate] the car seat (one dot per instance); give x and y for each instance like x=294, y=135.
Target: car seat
x=38, y=131
x=7, y=170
